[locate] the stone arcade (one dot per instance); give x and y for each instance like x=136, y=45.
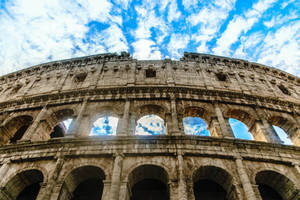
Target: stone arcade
x=39, y=160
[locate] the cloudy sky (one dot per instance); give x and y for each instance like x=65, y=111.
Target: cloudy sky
x=37, y=31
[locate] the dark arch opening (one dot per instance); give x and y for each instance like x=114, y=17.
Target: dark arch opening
x=83, y=183
x=19, y=134
x=212, y=182
x=58, y=131
x=30, y=192
x=90, y=189
x=15, y=128
x=268, y=193
x=206, y=190
x=24, y=186
x=149, y=182
x=270, y=182
x=150, y=189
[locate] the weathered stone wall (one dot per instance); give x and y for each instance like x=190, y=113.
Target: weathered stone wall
x=213, y=88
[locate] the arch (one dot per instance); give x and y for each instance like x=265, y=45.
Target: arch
x=150, y=125
x=148, y=181
x=288, y=125
x=60, y=121
x=84, y=180
x=24, y=184
x=242, y=116
x=194, y=111
x=271, y=180
x=15, y=128
x=195, y=121
x=153, y=109
x=239, y=129
x=106, y=125
x=212, y=175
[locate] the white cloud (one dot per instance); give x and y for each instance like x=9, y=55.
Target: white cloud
x=123, y=3
x=173, y=13
x=189, y=3
x=177, y=42
x=240, y=24
x=210, y=19
x=286, y=3
x=280, y=19
x=35, y=31
x=281, y=49
x=146, y=49
x=249, y=45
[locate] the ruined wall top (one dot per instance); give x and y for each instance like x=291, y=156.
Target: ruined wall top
x=194, y=71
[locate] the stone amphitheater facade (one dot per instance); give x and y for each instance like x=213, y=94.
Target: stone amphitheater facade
x=34, y=100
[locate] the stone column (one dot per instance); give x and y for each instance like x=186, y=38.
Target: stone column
x=116, y=177
x=266, y=128
x=173, y=190
x=106, y=188
x=4, y=169
x=256, y=191
x=190, y=188
x=182, y=192
x=73, y=130
x=297, y=167
x=124, y=191
x=249, y=192
x=224, y=124
x=123, y=127
x=174, y=124
x=45, y=194
x=214, y=127
x=29, y=134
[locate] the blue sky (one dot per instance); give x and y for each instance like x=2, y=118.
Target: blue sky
x=35, y=31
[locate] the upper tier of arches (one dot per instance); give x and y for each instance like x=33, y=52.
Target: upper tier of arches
x=166, y=117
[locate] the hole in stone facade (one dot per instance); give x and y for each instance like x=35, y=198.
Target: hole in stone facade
x=150, y=73
x=221, y=76
x=284, y=90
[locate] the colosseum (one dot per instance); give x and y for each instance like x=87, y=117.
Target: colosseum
x=41, y=158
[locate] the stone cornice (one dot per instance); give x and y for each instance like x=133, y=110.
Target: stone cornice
x=150, y=92
x=151, y=146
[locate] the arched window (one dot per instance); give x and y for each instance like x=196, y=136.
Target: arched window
x=61, y=129
x=106, y=125
x=240, y=130
x=282, y=135
x=150, y=125
x=195, y=126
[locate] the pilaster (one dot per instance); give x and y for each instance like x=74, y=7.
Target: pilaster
x=74, y=127
x=249, y=193
x=226, y=130
x=29, y=134
x=182, y=189
x=267, y=129
x=116, y=177
x=123, y=127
